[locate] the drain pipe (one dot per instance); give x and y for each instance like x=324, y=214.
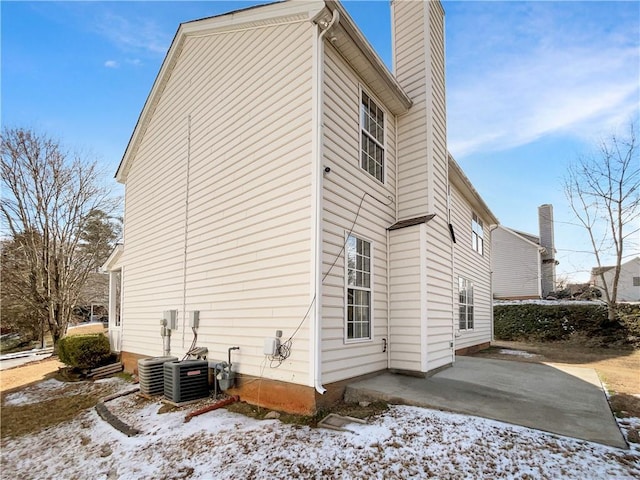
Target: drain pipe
x=165, y=333
x=219, y=404
x=318, y=174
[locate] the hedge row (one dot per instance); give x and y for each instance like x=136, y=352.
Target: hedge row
x=543, y=323
x=85, y=351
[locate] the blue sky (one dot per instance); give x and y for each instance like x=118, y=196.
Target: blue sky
x=530, y=86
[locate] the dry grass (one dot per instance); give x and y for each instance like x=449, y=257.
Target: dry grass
x=25, y=374
x=18, y=420
x=68, y=402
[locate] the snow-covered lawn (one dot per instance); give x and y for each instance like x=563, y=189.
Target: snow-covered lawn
x=404, y=442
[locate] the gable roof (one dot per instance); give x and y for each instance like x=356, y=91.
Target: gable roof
x=344, y=36
x=527, y=238
x=599, y=270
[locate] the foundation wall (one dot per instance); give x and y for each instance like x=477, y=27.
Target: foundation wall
x=473, y=349
x=274, y=394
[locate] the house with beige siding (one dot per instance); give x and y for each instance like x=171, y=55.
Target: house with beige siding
x=282, y=181
x=524, y=264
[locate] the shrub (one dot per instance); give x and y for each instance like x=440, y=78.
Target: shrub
x=535, y=322
x=85, y=351
x=629, y=315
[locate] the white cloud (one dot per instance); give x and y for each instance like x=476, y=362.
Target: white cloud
x=111, y=64
x=133, y=34
x=526, y=86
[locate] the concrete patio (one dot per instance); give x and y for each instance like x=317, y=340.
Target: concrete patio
x=559, y=399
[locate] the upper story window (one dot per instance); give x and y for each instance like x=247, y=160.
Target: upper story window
x=477, y=234
x=636, y=281
x=372, y=137
x=358, y=288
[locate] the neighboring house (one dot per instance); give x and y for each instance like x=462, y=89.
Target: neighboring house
x=628, y=283
x=523, y=264
x=280, y=178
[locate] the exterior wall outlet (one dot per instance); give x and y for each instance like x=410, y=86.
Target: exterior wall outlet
x=170, y=318
x=194, y=318
x=271, y=346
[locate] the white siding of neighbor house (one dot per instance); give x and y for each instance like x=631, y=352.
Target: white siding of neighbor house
x=243, y=221
x=407, y=299
x=474, y=267
x=627, y=292
x=418, y=37
x=516, y=266
x=343, y=189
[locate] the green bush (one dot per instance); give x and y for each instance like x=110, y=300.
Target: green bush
x=85, y=351
x=629, y=316
x=543, y=323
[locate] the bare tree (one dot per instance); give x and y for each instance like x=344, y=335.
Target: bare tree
x=16, y=310
x=50, y=198
x=604, y=193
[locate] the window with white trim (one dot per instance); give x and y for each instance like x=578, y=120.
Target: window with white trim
x=477, y=234
x=636, y=281
x=358, y=253
x=465, y=304
x=372, y=137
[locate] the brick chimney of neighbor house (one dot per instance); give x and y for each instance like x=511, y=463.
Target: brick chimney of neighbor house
x=545, y=222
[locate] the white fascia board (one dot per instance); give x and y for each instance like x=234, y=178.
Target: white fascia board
x=389, y=89
x=114, y=256
x=458, y=179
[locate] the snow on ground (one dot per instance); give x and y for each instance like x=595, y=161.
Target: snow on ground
x=517, y=353
x=548, y=302
x=404, y=442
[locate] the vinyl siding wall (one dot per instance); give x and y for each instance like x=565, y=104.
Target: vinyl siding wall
x=516, y=266
x=248, y=201
x=439, y=245
x=627, y=292
x=474, y=267
x=343, y=190
x=419, y=62
x=413, y=137
x=407, y=299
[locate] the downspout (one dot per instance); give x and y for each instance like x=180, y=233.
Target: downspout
x=491, y=230
x=319, y=110
x=454, y=283
x=389, y=294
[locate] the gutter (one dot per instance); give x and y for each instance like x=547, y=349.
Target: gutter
x=316, y=343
